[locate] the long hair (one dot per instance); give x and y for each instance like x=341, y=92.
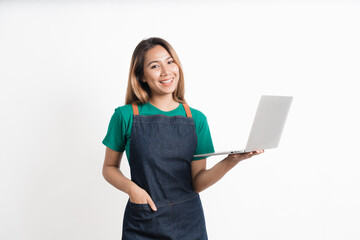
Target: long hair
x=138, y=91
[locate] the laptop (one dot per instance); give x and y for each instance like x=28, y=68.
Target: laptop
x=267, y=126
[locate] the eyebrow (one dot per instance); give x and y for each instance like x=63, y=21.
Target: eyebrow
x=157, y=61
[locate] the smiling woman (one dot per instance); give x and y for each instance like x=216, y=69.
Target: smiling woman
x=161, y=134
x=154, y=58
x=161, y=74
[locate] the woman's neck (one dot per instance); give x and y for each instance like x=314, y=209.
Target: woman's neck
x=164, y=103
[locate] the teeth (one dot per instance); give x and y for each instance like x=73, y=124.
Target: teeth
x=167, y=81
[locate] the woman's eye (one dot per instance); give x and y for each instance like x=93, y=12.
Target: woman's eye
x=171, y=61
x=154, y=66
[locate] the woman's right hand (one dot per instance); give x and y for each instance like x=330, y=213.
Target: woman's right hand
x=140, y=196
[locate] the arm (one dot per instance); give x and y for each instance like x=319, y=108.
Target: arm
x=112, y=174
x=203, y=178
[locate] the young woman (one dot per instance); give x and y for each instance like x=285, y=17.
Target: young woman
x=160, y=134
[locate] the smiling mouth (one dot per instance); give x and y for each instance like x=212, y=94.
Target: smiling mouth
x=167, y=81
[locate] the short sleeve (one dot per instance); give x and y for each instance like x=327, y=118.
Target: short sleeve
x=115, y=137
x=204, y=140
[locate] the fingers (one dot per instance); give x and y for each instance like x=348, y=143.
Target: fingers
x=152, y=204
x=247, y=154
x=257, y=152
x=252, y=154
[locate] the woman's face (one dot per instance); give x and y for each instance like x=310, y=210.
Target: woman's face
x=161, y=73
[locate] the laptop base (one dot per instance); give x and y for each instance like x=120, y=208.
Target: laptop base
x=220, y=153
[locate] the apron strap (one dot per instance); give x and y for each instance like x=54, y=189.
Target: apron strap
x=135, y=108
x=187, y=110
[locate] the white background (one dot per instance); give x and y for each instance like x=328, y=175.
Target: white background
x=63, y=71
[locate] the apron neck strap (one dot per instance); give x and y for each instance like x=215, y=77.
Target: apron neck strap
x=187, y=110
x=135, y=108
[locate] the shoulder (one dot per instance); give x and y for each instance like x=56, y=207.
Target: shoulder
x=124, y=112
x=198, y=116
x=124, y=109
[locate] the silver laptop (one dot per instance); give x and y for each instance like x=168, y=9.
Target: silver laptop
x=267, y=127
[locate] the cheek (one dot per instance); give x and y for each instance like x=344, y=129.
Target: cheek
x=151, y=76
x=175, y=70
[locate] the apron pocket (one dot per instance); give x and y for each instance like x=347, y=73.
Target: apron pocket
x=140, y=206
x=140, y=222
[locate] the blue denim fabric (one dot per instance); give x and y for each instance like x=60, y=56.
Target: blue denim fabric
x=161, y=150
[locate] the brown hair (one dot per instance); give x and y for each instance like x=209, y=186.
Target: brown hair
x=138, y=91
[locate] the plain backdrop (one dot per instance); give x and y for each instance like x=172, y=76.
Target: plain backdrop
x=64, y=68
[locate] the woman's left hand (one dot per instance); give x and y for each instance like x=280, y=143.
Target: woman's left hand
x=207, y=177
x=236, y=158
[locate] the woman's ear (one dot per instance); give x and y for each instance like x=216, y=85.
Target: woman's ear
x=141, y=80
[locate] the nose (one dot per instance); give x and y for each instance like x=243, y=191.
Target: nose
x=165, y=71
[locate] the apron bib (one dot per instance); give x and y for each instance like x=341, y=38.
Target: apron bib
x=161, y=150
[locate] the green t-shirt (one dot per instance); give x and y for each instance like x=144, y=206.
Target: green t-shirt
x=119, y=130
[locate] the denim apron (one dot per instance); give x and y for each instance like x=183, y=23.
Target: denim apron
x=161, y=150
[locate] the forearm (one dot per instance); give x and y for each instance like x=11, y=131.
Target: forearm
x=206, y=178
x=115, y=177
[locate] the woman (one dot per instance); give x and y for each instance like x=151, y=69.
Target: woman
x=160, y=134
